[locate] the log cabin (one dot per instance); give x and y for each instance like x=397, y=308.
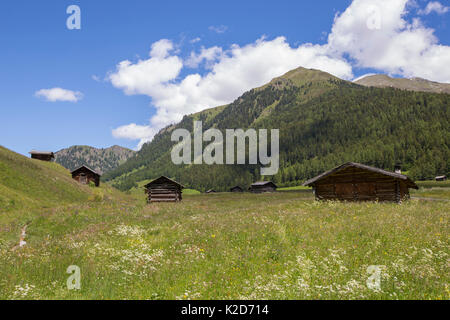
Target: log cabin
x=357, y=182
x=236, y=189
x=42, y=155
x=164, y=189
x=85, y=175
x=263, y=186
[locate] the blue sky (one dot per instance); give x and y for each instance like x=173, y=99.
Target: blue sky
x=39, y=52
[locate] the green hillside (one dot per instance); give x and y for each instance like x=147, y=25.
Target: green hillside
x=26, y=183
x=323, y=122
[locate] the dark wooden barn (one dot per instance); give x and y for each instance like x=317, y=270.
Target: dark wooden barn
x=358, y=182
x=441, y=178
x=85, y=175
x=236, y=189
x=263, y=186
x=211, y=191
x=164, y=189
x=42, y=155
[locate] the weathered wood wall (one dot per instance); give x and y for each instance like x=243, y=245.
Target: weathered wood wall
x=261, y=189
x=42, y=157
x=354, y=184
x=88, y=177
x=164, y=192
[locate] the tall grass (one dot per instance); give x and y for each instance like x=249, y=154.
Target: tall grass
x=229, y=246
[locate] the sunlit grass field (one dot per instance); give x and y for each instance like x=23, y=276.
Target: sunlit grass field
x=282, y=245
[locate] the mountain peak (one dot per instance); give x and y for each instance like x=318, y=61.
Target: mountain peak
x=300, y=76
x=413, y=84
x=101, y=160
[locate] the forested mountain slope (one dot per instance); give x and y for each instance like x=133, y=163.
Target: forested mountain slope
x=323, y=122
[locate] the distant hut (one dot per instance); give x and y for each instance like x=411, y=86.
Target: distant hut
x=85, y=175
x=42, y=155
x=211, y=191
x=164, y=189
x=358, y=182
x=263, y=186
x=441, y=178
x=236, y=189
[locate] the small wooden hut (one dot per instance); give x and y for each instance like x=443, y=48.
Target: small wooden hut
x=85, y=175
x=263, y=186
x=358, y=182
x=164, y=189
x=441, y=178
x=236, y=189
x=211, y=191
x=42, y=155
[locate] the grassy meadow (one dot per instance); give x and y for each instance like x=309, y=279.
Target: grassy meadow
x=228, y=246
x=283, y=245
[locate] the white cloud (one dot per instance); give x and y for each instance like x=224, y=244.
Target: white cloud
x=134, y=132
x=148, y=76
x=231, y=73
x=434, y=6
x=206, y=54
x=195, y=40
x=375, y=34
x=218, y=29
x=59, y=94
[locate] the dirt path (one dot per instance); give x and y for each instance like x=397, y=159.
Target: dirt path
x=22, y=242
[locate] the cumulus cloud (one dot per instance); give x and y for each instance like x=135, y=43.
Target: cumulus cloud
x=134, y=132
x=376, y=35
x=206, y=54
x=59, y=94
x=434, y=6
x=371, y=34
x=231, y=72
x=149, y=76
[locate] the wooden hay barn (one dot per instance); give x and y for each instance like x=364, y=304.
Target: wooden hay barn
x=358, y=182
x=42, y=155
x=441, y=178
x=264, y=186
x=85, y=175
x=163, y=189
x=236, y=189
x=211, y=191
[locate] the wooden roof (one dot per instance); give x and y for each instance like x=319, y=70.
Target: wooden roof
x=162, y=179
x=399, y=176
x=264, y=183
x=45, y=153
x=86, y=167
